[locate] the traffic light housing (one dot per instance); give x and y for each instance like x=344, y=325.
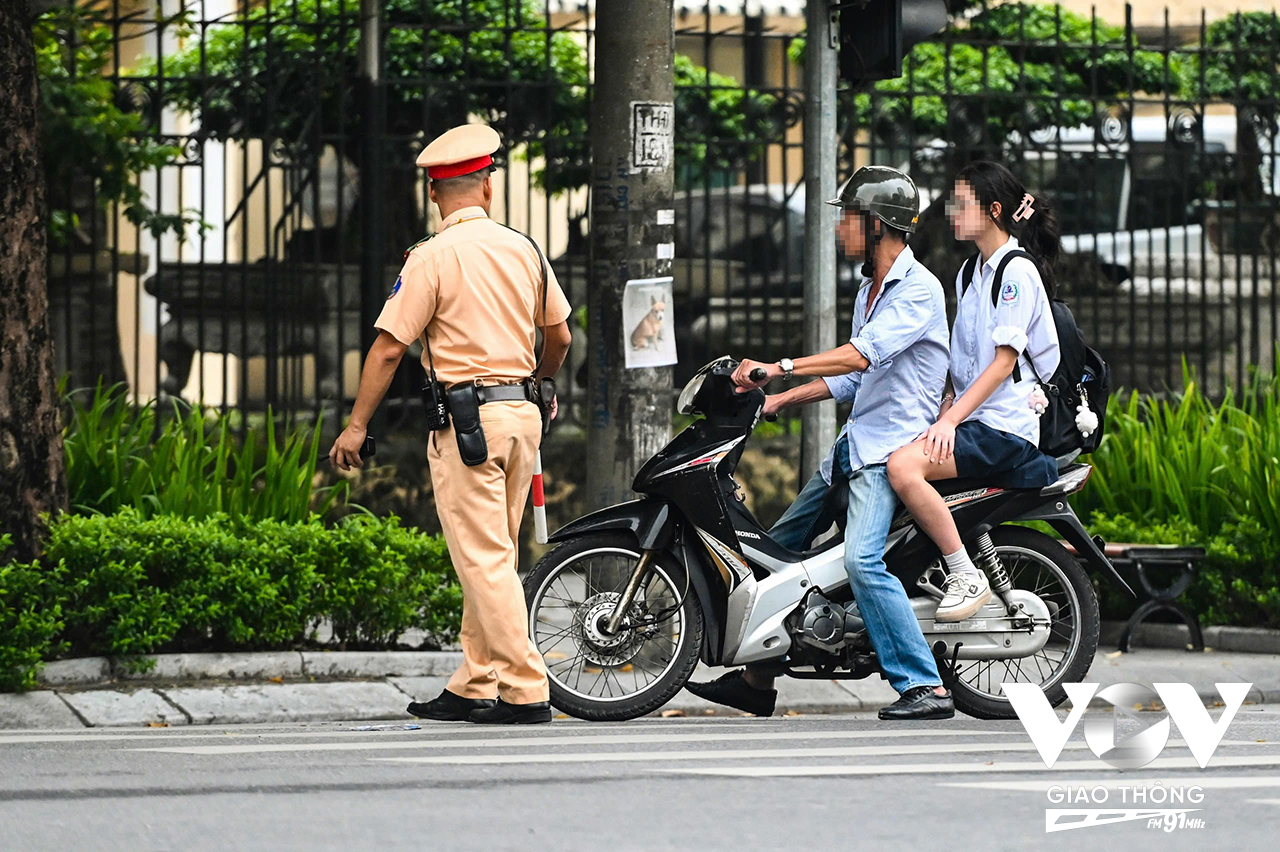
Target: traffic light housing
x=876, y=34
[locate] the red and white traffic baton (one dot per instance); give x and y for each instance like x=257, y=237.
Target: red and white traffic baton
x=539, y=503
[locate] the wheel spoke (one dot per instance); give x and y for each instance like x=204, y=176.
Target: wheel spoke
x=1034, y=572
x=597, y=663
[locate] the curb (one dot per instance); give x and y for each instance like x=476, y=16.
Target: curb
x=260, y=666
x=1248, y=640
x=227, y=689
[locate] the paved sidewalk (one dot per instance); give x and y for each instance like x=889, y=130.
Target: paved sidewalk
x=253, y=688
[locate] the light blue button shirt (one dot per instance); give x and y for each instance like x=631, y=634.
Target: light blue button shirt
x=904, y=339
x=1022, y=319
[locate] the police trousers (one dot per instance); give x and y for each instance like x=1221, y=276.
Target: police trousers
x=480, y=510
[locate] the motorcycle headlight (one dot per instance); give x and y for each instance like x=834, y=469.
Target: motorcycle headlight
x=684, y=404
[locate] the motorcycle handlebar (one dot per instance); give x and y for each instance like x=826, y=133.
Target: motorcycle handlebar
x=758, y=374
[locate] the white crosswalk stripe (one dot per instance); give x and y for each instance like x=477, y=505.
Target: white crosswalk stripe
x=1091, y=765
x=686, y=747
x=517, y=741
x=738, y=754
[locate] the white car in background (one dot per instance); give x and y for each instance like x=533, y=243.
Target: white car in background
x=1138, y=203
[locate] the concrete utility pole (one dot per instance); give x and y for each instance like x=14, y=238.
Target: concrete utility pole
x=633, y=178
x=818, y=421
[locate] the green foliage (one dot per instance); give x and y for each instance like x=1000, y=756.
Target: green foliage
x=446, y=60
x=85, y=134
x=719, y=125
x=1061, y=65
x=1239, y=62
x=1187, y=457
x=1186, y=470
x=1237, y=583
x=27, y=624
x=125, y=585
x=1035, y=65
x=436, y=51
x=189, y=464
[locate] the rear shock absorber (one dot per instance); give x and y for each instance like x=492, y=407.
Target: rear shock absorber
x=989, y=560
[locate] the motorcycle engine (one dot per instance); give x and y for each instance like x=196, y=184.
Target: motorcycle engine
x=824, y=624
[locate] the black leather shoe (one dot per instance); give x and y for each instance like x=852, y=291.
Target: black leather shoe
x=919, y=703
x=503, y=713
x=447, y=707
x=732, y=690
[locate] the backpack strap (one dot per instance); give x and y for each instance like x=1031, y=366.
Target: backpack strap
x=996, y=283
x=966, y=278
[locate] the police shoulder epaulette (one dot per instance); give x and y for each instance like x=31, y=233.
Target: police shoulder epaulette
x=410, y=249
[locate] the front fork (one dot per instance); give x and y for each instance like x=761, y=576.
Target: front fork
x=638, y=577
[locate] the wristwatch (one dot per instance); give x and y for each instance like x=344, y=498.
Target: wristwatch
x=788, y=367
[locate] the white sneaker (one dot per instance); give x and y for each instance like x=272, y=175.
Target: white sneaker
x=965, y=595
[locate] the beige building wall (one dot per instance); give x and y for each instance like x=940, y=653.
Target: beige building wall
x=1151, y=13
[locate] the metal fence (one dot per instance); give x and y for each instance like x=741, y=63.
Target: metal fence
x=235, y=237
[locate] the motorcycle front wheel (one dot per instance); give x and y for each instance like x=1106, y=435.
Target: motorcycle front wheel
x=605, y=677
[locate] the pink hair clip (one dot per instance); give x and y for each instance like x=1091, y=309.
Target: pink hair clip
x=1025, y=210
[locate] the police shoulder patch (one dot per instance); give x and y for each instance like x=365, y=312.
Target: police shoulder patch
x=1009, y=292
x=394, y=290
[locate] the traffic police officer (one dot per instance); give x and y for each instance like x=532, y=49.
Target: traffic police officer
x=473, y=294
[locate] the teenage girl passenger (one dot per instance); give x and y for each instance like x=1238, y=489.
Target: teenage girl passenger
x=988, y=426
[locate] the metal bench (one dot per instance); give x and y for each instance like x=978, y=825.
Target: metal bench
x=1136, y=562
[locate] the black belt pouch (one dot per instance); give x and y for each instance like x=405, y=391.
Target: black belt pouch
x=546, y=392
x=464, y=405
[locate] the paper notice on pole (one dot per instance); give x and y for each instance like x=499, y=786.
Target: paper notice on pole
x=666, y=251
x=648, y=324
x=652, y=136
x=666, y=217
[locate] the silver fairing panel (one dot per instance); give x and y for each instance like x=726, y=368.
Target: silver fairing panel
x=763, y=636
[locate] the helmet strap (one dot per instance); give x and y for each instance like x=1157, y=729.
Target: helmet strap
x=873, y=237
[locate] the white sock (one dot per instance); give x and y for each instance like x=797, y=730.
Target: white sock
x=960, y=563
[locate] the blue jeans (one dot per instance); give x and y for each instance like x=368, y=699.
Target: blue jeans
x=895, y=633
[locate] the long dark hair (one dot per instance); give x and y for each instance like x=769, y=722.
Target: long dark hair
x=1038, y=234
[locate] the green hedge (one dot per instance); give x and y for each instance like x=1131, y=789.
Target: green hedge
x=123, y=585
x=1187, y=470
x=1237, y=583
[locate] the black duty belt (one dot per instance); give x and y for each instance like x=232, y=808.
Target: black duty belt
x=505, y=393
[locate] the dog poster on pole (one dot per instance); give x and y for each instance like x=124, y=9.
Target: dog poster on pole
x=647, y=323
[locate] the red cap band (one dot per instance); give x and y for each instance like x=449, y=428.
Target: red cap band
x=454, y=170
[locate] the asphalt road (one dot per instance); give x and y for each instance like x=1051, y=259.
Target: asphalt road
x=723, y=783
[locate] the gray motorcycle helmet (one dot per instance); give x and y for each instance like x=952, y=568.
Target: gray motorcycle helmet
x=885, y=193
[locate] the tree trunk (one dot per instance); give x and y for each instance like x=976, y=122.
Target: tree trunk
x=32, y=469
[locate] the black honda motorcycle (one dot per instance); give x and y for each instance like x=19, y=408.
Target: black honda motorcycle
x=632, y=596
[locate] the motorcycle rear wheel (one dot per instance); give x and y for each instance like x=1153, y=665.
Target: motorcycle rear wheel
x=1040, y=564
x=612, y=678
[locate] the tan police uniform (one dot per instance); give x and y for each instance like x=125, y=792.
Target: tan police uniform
x=475, y=292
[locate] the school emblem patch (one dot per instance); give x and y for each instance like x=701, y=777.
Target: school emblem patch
x=394, y=290
x=1009, y=293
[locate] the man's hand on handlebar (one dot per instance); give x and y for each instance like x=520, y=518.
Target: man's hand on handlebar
x=754, y=374
x=772, y=405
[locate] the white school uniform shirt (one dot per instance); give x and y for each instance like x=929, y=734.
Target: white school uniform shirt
x=1022, y=319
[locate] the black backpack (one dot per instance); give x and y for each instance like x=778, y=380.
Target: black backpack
x=1081, y=374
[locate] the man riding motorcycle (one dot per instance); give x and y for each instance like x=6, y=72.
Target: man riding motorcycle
x=892, y=369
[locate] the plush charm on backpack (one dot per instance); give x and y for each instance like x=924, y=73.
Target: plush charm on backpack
x=1086, y=420
x=1038, y=401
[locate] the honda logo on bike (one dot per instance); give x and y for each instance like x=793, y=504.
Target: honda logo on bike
x=1183, y=703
